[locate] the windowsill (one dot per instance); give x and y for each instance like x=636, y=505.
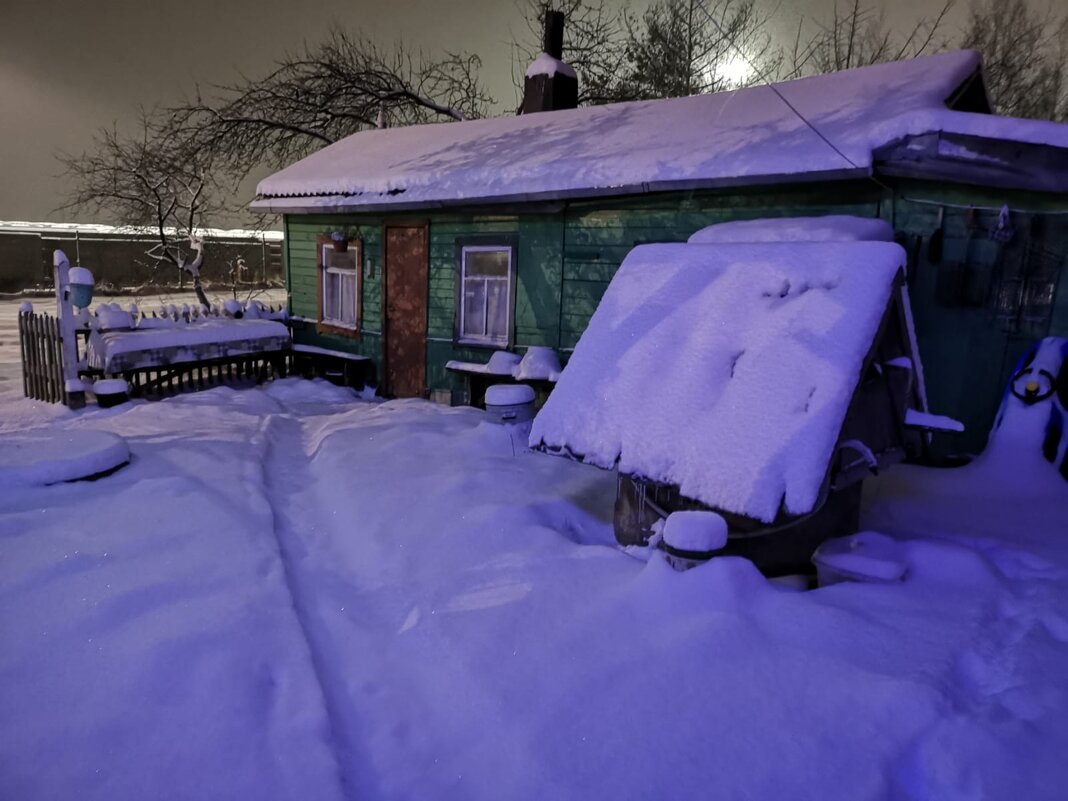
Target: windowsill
x=482, y=343
x=338, y=328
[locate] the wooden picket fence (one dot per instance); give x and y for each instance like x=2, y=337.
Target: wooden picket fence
x=42, y=357
x=42, y=366
x=164, y=380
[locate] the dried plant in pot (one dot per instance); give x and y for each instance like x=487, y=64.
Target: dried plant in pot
x=341, y=237
x=341, y=242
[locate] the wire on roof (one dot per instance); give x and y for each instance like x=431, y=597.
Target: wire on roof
x=763, y=77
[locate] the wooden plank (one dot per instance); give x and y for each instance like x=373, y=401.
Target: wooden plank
x=57, y=362
x=590, y=271
x=539, y=275
x=22, y=354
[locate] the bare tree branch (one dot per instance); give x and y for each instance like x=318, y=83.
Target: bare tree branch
x=153, y=181
x=325, y=93
x=1025, y=57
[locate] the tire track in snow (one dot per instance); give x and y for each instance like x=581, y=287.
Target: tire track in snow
x=284, y=463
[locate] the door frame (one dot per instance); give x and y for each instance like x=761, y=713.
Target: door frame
x=403, y=222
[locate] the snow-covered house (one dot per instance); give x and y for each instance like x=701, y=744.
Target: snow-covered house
x=504, y=233
x=749, y=373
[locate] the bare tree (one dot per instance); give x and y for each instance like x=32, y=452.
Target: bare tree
x=857, y=36
x=1025, y=57
x=594, y=45
x=685, y=47
x=675, y=48
x=152, y=182
x=323, y=94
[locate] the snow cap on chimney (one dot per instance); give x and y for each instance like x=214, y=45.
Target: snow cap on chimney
x=550, y=84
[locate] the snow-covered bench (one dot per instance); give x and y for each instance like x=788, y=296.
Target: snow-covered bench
x=539, y=368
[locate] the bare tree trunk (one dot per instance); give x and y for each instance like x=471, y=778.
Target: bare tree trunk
x=200, y=292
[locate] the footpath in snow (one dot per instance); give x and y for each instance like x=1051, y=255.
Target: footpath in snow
x=292, y=594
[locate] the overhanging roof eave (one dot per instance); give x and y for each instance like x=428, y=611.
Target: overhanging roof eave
x=301, y=205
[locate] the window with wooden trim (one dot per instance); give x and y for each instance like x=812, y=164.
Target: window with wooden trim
x=487, y=277
x=339, y=287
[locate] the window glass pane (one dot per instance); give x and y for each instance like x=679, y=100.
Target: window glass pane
x=474, y=319
x=348, y=298
x=341, y=261
x=332, y=299
x=497, y=312
x=339, y=284
x=488, y=263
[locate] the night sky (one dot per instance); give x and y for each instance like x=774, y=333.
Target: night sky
x=68, y=68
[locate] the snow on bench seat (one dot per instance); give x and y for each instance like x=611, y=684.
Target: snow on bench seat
x=725, y=369
x=315, y=350
x=119, y=351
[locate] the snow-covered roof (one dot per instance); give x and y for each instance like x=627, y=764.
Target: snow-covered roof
x=724, y=369
x=743, y=136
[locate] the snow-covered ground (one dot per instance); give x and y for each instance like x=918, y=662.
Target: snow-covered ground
x=290, y=593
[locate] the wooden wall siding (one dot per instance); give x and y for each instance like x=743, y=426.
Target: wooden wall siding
x=567, y=258
x=565, y=261
x=302, y=263
x=599, y=234
x=444, y=231
x=968, y=353
x=539, y=280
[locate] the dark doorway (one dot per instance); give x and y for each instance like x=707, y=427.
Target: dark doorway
x=404, y=328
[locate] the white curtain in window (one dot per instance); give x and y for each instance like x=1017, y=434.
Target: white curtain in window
x=339, y=286
x=486, y=295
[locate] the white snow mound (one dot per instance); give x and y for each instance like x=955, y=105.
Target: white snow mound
x=538, y=363
x=545, y=64
x=726, y=370
x=694, y=531
x=831, y=228
x=864, y=556
x=509, y=394
x=49, y=457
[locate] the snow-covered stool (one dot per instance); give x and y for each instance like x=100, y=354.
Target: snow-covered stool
x=510, y=403
x=51, y=457
x=110, y=392
x=866, y=556
x=692, y=538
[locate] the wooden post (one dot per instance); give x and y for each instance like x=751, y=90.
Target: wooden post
x=71, y=390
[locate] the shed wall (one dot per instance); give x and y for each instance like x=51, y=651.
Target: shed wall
x=568, y=255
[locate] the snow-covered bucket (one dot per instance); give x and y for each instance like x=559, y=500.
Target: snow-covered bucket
x=866, y=556
x=111, y=392
x=693, y=537
x=510, y=403
x=81, y=286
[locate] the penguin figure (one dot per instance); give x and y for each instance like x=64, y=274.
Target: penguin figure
x=1035, y=406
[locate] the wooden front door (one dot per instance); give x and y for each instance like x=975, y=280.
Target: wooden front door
x=405, y=299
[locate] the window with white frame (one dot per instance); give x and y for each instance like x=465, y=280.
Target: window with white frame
x=340, y=285
x=486, y=275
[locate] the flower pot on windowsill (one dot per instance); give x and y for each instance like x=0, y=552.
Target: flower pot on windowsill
x=341, y=245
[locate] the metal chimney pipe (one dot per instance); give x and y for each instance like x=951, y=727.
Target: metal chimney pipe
x=553, y=37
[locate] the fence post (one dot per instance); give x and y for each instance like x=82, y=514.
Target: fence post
x=71, y=391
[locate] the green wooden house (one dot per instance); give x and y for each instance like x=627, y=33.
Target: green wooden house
x=468, y=237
